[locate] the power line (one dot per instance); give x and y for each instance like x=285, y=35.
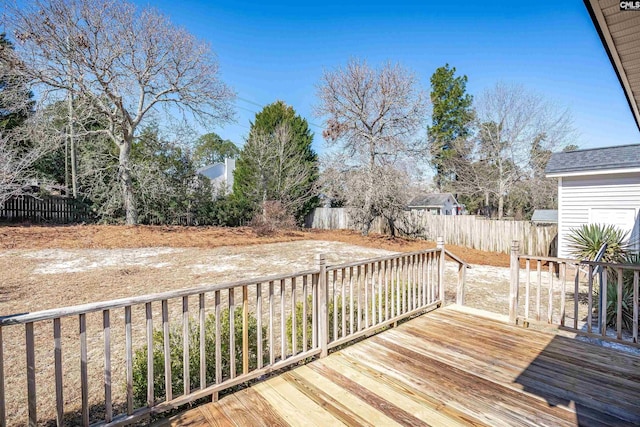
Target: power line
x=248, y=101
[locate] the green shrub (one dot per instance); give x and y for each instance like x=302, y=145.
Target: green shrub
x=176, y=351
x=347, y=312
x=585, y=242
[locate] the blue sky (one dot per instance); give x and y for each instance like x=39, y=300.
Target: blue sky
x=274, y=50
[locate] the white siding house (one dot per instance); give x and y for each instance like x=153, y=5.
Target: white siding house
x=597, y=186
x=220, y=175
x=436, y=203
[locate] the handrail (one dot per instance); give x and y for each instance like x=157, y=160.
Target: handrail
x=456, y=258
x=382, y=258
x=17, y=319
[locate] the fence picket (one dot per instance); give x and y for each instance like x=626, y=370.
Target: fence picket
x=465, y=230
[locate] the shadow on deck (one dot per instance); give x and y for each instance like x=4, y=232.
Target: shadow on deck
x=447, y=367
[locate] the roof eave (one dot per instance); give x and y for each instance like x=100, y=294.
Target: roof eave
x=592, y=172
x=607, y=41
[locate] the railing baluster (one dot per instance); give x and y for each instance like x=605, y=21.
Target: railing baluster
x=634, y=302
x=203, y=352
x=259, y=315
x=373, y=274
x=245, y=329
x=294, y=319
x=576, y=293
x=428, y=277
x=380, y=294
x=31, y=375
x=386, y=289
x=129, y=357
x=550, y=307
x=409, y=283
x=603, y=302
x=590, y=300
x=314, y=311
x=418, y=282
x=538, y=291
x=106, y=323
x=218, y=341
x=562, y=267
x=283, y=342
x=57, y=360
x=305, y=296
x=186, y=375
x=149, y=323
x=84, y=375
x=619, y=305
x=168, y=385
x=232, y=333
x=366, y=296
x=351, y=302
x=335, y=305
x=344, y=303
x=527, y=288
x=392, y=287
x=405, y=283
x=358, y=279
x=272, y=355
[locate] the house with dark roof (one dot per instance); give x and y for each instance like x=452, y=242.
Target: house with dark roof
x=436, y=203
x=597, y=186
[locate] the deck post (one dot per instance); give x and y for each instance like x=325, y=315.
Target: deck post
x=440, y=246
x=323, y=318
x=515, y=281
x=461, y=278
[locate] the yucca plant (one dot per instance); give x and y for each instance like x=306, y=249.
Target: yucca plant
x=585, y=241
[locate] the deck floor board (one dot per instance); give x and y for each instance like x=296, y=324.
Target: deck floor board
x=448, y=368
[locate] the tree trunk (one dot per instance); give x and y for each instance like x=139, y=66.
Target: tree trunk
x=124, y=175
x=500, y=206
x=487, y=208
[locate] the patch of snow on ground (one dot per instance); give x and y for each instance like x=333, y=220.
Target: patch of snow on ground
x=56, y=261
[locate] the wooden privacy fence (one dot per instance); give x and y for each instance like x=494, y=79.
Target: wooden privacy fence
x=464, y=230
x=569, y=293
x=92, y=360
x=50, y=209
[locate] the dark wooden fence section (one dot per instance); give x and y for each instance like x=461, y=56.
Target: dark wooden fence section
x=44, y=209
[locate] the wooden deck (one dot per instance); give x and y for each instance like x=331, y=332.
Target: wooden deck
x=447, y=367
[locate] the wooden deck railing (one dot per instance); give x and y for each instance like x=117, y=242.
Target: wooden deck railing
x=569, y=293
x=203, y=340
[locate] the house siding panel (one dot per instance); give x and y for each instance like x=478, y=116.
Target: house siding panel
x=578, y=196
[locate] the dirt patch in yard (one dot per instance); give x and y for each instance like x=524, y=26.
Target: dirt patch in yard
x=119, y=237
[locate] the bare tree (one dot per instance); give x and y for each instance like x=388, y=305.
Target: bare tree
x=25, y=134
x=127, y=63
x=17, y=160
x=349, y=184
x=373, y=115
x=281, y=174
x=516, y=131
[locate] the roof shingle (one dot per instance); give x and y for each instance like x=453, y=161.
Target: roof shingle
x=595, y=159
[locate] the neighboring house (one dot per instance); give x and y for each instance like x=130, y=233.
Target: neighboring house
x=545, y=216
x=220, y=175
x=597, y=186
x=436, y=203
